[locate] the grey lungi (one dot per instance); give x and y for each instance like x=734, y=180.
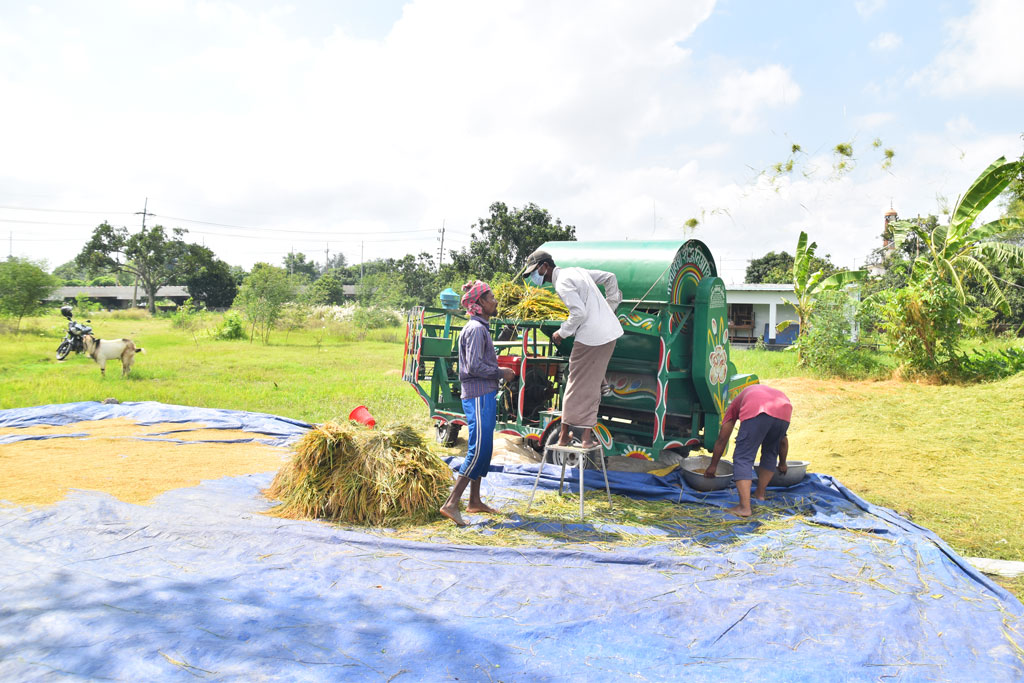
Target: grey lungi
x=587, y=365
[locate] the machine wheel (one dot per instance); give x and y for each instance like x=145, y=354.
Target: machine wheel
x=447, y=433
x=63, y=350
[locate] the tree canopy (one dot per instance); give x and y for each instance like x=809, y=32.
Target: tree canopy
x=778, y=268
x=502, y=241
x=150, y=254
x=208, y=279
x=24, y=284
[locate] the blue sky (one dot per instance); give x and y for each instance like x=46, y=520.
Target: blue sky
x=363, y=127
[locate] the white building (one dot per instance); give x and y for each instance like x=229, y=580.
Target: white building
x=756, y=310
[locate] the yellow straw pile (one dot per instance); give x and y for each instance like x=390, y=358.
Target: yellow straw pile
x=352, y=474
x=523, y=302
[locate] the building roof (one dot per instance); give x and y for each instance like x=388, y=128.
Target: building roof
x=760, y=287
x=115, y=292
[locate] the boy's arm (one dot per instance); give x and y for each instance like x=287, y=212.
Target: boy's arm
x=783, y=452
x=720, y=445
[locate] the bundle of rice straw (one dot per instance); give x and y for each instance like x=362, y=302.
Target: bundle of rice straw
x=523, y=302
x=352, y=474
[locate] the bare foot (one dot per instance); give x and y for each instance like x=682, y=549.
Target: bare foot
x=481, y=507
x=453, y=515
x=563, y=443
x=592, y=444
x=761, y=498
x=739, y=512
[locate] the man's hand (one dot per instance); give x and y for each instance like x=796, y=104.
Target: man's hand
x=508, y=374
x=783, y=468
x=557, y=338
x=710, y=471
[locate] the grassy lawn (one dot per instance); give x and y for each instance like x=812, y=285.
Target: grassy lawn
x=951, y=458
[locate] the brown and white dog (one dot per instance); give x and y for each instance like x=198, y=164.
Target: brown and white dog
x=102, y=350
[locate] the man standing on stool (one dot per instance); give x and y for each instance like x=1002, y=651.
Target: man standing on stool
x=593, y=322
x=764, y=414
x=478, y=374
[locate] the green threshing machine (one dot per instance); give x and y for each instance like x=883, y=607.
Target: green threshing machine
x=670, y=375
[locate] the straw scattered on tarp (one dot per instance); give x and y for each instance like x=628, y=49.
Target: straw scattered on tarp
x=355, y=475
x=522, y=302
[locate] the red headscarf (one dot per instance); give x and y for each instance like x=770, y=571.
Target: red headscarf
x=471, y=299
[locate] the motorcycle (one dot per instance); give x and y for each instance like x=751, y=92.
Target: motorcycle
x=73, y=338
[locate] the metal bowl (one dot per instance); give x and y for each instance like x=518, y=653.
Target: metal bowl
x=795, y=473
x=693, y=472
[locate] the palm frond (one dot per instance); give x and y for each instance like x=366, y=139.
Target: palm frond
x=986, y=187
x=990, y=286
x=841, y=279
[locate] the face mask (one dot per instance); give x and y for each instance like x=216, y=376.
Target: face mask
x=536, y=279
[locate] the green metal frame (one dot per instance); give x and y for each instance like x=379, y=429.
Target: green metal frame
x=670, y=374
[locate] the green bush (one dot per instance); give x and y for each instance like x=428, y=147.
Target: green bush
x=232, y=327
x=826, y=347
x=924, y=326
x=987, y=364
x=374, y=318
x=187, y=315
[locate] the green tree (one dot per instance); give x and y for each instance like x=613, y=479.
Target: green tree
x=208, y=279
x=778, y=268
x=958, y=251
x=808, y=283
x=502, y=241
x=382, y=289
x=296, y=264
x=329, y=289
x=71, y=274
x=335, y=262
x=150, y=255
x=262, y=298
x=24, y=285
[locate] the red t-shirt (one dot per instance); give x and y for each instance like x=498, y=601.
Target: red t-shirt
x=757, y=399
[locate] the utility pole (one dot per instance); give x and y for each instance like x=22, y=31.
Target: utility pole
x=10, y=246
x=440, y=252
x=144, y=212
x=327, y=255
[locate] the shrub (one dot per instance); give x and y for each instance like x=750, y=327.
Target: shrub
x=991, y=365
x=374, y=318
x=827, y=349
x=924, y=326
x=231, y=327
x=187, y=315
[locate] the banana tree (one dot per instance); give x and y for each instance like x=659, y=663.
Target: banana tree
x=807, y=285
x=954, y=249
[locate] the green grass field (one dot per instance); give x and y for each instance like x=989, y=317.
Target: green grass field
x=950, y=457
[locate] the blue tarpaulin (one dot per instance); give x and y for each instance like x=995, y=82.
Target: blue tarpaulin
x=201, y=584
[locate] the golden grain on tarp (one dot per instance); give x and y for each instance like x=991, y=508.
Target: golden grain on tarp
x=347, y=473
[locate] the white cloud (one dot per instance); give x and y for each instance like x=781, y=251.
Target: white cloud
x=743, y=95
x=874, y=120
x=866, y=8
x=981, y=52
x=886, y=42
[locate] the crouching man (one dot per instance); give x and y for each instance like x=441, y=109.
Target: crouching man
x=479, y=374
x=764, y=414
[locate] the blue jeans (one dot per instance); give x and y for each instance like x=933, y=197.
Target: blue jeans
x=481, y=416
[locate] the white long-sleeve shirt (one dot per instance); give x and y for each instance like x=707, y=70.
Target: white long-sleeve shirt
x=591, y=316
